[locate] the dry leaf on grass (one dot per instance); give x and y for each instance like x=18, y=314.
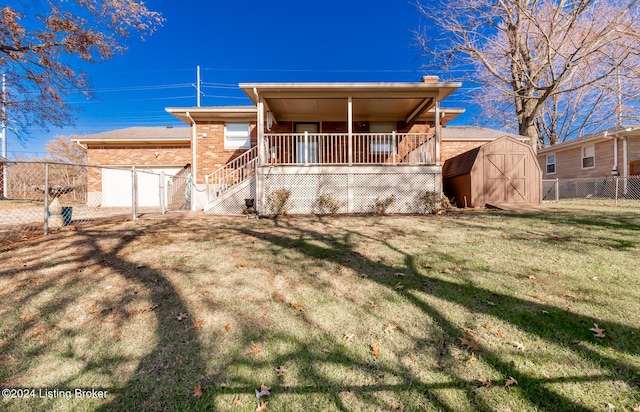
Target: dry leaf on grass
x=264, y=391
x=237, y=401
x=227, y=328
x=636, y=408
x=262, y=407
x=255, y=349
x=598, y=332
x=400, y=274
x=390, y=327
x=297, y=305
x=518, y=346
x=197, y=325
x=281, y=371
x=181, y=317
x=499, y=335
x=375, y=350
x=467, y=331
x=510, y=381
x=485, y=382
x=469, y=342
x=398, y=286
x=488, y=326
x=374, y=305
x=349, y=337
x=197, y=391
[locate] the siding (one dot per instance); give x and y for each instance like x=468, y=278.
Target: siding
x=569, y=161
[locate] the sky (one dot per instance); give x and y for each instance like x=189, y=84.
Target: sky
x=245, y=41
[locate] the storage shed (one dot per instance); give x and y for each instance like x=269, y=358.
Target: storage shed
x=501, y=172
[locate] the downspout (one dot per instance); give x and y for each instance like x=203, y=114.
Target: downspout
x=614, y=169
x=625, y=163
x=194, y=161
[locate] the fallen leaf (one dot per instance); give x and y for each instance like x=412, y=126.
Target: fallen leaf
x=197, y=325
x=490, y=303
x=375, y=350
x=400, y=274
x=445, y=270
x=374, y=305
x=473, y=357
x=255, y=349
x=227, y=327
x=469, y=343
x=598, y=332
x=297, y=305
x=518, y=346
x=349, y=337
x=467, y=331
x=487, y=326
x=237, y=401
x=281, y=371
x=262, y=407
x=325, y=350
x=510, y=381
x=264, y=391
x=182, y=317
x=390, y=327
x=485, y=382
x=636, y=408
x=197, y=392
x=499, y=335
x=569, y=295
x=610, y=405
x=398, y=286
x=140, y=266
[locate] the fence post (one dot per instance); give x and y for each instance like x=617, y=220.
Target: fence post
x=617, y=189
x=557, y=190
x=46, y=199
x=394, y=144
x=134, y=193
x=162, y=193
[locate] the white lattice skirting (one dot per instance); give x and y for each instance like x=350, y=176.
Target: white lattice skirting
x=344, y=191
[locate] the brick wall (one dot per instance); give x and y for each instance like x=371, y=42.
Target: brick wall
x=210, y=150
x=449, y=148
x=129, y=155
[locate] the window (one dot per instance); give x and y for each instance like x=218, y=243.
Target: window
x=551, y=164
x=588, y=157
x=237, y=136
x=381, y=141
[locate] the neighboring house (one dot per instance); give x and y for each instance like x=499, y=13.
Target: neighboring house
x=354, y=145
x=613, y=152
x=153, y=149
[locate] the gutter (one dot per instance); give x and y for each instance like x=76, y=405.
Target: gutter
x=194, y=161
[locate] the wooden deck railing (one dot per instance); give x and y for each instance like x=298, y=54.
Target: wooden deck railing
x=338, y=149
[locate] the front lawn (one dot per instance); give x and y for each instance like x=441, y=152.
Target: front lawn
x=477, y=310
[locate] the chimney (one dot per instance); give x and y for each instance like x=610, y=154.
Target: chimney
x=429, y=79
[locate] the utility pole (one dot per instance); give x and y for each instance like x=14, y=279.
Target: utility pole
x=4, y=134
x=198, y=86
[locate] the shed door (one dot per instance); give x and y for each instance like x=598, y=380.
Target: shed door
x=506, y=177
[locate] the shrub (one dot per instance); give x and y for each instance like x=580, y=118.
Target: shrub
x=279, y=201
x=430, y=202
x=380, y=206
x=328, y=204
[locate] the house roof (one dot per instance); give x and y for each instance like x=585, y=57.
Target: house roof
x=138, y=134
x=229, y=113
x=618, y=131
x=393, y=101
x=471, y=133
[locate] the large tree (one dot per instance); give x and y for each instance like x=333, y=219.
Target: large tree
x=552, y=69
x=42, y=43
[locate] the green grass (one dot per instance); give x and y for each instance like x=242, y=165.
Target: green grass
x=365, y=313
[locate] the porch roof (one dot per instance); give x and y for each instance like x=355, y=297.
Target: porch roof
x=371, y=101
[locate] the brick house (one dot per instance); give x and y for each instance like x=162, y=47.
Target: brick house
x=357, y=144
x=154, y=149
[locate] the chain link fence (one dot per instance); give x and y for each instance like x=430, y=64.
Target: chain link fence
x=40, y=197
x=622, y=190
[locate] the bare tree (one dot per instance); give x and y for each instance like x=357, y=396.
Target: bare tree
x=41, y=40
x=550, y=68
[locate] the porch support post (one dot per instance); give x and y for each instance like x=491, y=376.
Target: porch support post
x=260, y=201
x=350, y=127
x=438, y=134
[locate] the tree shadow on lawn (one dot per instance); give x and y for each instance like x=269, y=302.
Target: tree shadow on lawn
x=549, y=323
x=164, y=378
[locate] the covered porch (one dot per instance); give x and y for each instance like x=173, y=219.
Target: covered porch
x=388, y=124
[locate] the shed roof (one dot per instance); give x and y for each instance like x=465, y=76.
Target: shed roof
x=461, y=164
x=138, y=134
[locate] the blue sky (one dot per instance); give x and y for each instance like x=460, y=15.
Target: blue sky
x=245, y=41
